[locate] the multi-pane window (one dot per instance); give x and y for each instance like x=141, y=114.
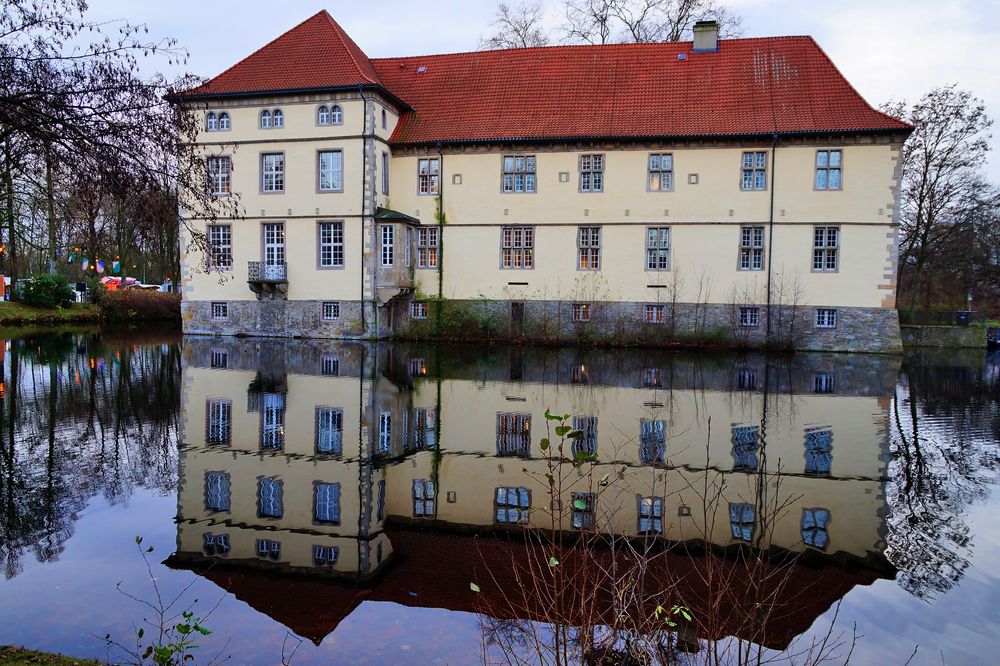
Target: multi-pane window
x=329, y=115
x=754, y=170
x=388, y=235
x=278, y=118
x=586, y=443
x=651, y=515
x=331, y=171
x=517, y=247
x=825, y=382
x=407, y=245
x=519, y=173
x=265, y=119
x=331, y=310
x=270, y=492
x=652, y=377
x=826, y=242
x=218, y=422
x=224, y=122
x=215, y=544
x=828, y=165
x=581, y=312
x=424, y=497
x=652, y=440
x=418, y=310
x=325, y=555
x=428, y=175
x=814, y=527
x=272, y=422
x=220, y=310
x=580, y=374
x=220, y=359
x=269, y=548
x=584, y=506
x=513, y=434
x=326, y=503
x=323, y=115
x=427, y=247
x=211, y=122
x=331, y=244
x=217, y=491
x=826, y=318
x=384, y=432
x=742, y=519
x=746, y=379
x=751, y=248
x=658, y=249
x=655, y=313
x=819, y=451
x=272, y=172
x=329, y=366
x=588, y=243
x=424, y=425
x=220, y=175
x=745, y=439
x=661, y=172
x=329, y=430
x=385, y=173
x=220, y=243
x=591, y=173
x=749, y=317
x=512, y=505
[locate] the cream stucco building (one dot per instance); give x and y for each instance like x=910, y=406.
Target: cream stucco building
x=736, y=189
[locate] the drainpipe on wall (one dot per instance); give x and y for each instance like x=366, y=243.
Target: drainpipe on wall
x=364, y=138
x=770, y=232
x=440, y=221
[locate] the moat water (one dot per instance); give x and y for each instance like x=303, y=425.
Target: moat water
x=321, y=502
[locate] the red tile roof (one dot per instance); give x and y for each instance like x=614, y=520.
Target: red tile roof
x=317, y=53
x=747, y=87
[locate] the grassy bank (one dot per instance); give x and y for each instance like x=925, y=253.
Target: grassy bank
x=13, y=314
x=14, y=656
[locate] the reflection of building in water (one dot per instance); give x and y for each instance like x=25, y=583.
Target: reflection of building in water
x=332, y=460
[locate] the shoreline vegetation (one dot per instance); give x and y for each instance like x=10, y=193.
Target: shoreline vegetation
x=16, y=656
x=128, y=307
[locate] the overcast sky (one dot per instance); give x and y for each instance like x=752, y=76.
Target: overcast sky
x=888, y=49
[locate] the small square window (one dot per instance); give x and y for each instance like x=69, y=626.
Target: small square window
x=330, y=366
x=749, y=317
x=826, y=318
x=331, y=310
x=418, y=310
x=655, y=313
x=581, y=312
x=220, y=311
x=456, y=179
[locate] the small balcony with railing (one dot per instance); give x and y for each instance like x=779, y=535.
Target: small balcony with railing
x=268, y=280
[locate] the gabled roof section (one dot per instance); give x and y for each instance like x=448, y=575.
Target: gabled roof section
x=748, y=87
x=316, y=54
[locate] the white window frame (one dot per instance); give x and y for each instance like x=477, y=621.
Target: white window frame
x=330, y=170
x=220, y=247
x=513, y=434
x=385, y=432
x=581, y=312
x=519, y=174
x=752, y=244
x=517, y=247
x=826, y=249
x=326, y=503
x=387, y=236
x=655, y=313
x=385, y=173
x=272, y=172
x=270, y=495
x=511, y=505
x=657, y=248
x=826, y=318
x=218, y=422
x=428, y=176
x=277, y=119
x=427, y=247
x=588, y=248
x=220, y=310
x=329, y=366
x=418, y=310
x=330, y=244
x=329, y=431
x=218, y=491
x=330, y=310
x=323, y=115
x=660, y=172
x=225, y=122
x=336, y=115
x=424, y=498
x=753, y=171
x=211, y=122
x=650, y=515
x=592, y=172
x=748, y=316
x=220, y=175
x=265, y=119
x=829, y=165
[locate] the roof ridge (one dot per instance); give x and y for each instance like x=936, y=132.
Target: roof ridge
x=341, y=34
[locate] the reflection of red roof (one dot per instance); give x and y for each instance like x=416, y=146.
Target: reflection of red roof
x=434, y=570
x=747, y=87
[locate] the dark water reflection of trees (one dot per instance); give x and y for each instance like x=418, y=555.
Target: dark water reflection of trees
x=81, y=415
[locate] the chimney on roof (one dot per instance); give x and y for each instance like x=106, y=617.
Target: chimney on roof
x=706, y=36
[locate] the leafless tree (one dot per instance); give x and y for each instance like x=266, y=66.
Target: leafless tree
x=627, y=21
x=516, y=26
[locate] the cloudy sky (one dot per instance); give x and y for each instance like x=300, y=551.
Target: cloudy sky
x=889, y=49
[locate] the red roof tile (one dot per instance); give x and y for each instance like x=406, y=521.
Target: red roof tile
x=317, y=53
x=749, y=86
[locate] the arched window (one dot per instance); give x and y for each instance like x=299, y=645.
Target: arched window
x=211, y=124
x=223, y=121
x=265, y=118
x=323, y=115
x=385, y=121
x=279, y=118
x=336, y=115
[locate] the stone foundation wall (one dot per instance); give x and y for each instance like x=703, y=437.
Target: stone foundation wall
x=857, y=330
x=952, y=337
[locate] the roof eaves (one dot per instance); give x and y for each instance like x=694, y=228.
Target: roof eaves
x=193, y=96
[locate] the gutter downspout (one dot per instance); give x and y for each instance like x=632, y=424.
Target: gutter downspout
x=770, y=232
x=440, y=220
x=364, y=138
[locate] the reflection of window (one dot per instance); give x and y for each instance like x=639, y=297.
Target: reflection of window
x=327, y=502
x=220, y=359
x=219, y=426
x=418, y=367
x=513, y=434
x=651, y=515
x=583, y=510
x=819, y=451
x=217, y=491
x=424, y=423
x=588, y=442
x=380, y=510
x=746, y=379
x=512, y=505
x=652, y=440
x=814, y=522
x=418, y=310
x=652, y=377
x=269, y=548
x=272, y=430
x=580, y=375
x=269, y=497
x=325, y=555
x=744, y=440
x=329, y=366
x=423, y=498
x=215, y=544
x=329, y=430
x=384, y=432
x=741, y=520
x=824, y=383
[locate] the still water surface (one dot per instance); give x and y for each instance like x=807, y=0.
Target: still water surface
x=338, y=499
